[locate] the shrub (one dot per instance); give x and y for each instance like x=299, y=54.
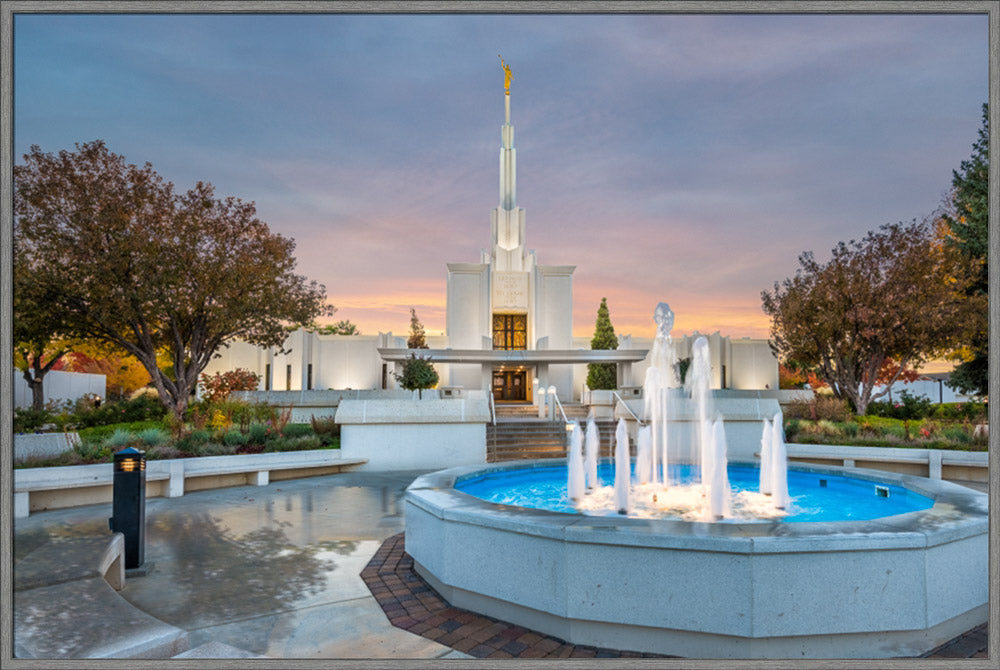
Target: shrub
x=956, y=434
x=214, y=449
x=217, y=387
x=190, y=443
x=153, y=437
x=93, y=452
x=792, y=428
x=28, y=420
x=260, y=433
x=98, y=434
x=293, y=443
x=297, y=430
x=326, y=429
x=830, y=408
x=235, y=438
x=120, y=439
x=849, y=428
x=162, y=451
x=821, y=407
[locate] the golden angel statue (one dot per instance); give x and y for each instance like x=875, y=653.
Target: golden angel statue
x=507, y=75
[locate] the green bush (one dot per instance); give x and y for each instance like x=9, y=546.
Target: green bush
x=120, y=439
x=957, y=434
x=213, y=449
x=145, y=407
x=293, y=444
x=100, y=433
x=153, y=437
x=235, y=438
x=260, y=433
x=190, y=443
x=297, y=430
x=849, y=428
x=28, y=420
x=326, y=429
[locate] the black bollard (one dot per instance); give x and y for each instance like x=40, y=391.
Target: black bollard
x=129, y=504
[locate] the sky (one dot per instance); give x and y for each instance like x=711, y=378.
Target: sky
x=685, y=158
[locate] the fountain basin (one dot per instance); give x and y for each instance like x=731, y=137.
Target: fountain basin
x=892, y=586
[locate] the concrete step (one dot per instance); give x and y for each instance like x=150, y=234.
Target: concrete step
x=86, y=618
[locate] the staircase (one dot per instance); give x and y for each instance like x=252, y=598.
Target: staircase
x=520, y=434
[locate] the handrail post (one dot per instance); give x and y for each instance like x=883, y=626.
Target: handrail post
x=627, y=408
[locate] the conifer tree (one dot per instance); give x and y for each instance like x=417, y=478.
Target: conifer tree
x=416, y=339
x=603, y=375
x=968, y=224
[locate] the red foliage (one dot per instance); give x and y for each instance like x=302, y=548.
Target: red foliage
x=217, y=387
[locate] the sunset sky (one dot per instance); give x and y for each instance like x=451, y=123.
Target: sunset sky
x=684, y=158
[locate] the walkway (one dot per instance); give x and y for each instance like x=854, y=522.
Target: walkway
x=309, y=568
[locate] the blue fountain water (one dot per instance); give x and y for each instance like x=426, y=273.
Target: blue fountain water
x=814, y=496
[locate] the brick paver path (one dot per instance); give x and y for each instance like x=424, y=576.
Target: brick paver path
x=411, y=604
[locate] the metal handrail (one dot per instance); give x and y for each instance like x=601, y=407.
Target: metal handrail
x=493, y=409
x=561, y=410
x=627, y=408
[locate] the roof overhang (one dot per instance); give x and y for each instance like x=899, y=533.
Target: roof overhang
x=517, y=357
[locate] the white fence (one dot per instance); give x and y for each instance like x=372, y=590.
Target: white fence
x=59, y=385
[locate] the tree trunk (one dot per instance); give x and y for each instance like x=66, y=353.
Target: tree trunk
x=37, y=391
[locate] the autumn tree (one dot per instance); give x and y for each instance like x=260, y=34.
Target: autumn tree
x=130, y=263
x=123, y=374
x=897, y=294
x=417, y=339
x=968, y=231
x=603, y=375
x=38, y=330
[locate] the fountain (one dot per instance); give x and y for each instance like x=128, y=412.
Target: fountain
x=740, y=558
x=708, y=497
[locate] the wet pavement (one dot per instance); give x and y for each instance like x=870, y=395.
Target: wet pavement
x=271, y=570
x=281, y=571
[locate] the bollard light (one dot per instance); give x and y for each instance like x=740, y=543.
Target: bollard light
x=129, y=504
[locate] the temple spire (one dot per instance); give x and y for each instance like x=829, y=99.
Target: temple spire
x=507, y=220
x=508, y=163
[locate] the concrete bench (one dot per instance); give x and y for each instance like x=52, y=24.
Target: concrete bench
x=66, y=605
x=970, y=465
x=69, y=486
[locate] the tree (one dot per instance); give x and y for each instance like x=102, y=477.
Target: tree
x=418, y=374
x=968, y=231
x=603, y=375
x=131, y=264
x=123, y=373
x=897, y=294
x=342, y=327
x=38, y=329
x=417, y=339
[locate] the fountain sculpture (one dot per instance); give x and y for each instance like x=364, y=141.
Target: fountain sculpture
x=652, y=491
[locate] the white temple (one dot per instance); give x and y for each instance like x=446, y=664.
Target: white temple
x=509, y=329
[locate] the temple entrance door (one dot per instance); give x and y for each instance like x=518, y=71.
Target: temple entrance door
x=510, y=386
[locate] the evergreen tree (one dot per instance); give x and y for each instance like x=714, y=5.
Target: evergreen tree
x=416, y=339
x=603, y=375
x=969, y=233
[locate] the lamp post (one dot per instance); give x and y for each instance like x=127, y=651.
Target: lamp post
x=129, y=504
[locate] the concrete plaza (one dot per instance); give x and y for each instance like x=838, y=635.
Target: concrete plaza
x=273, y=571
